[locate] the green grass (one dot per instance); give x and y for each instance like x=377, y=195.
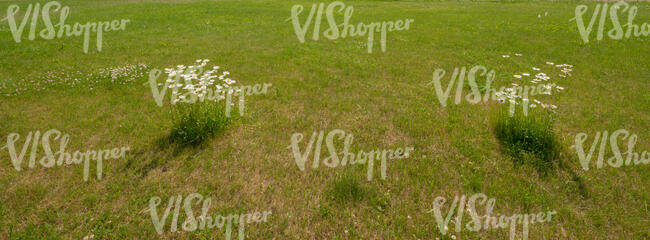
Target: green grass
x=528, y=138
x=347, y=188
x=381, y=98
x=194, y=123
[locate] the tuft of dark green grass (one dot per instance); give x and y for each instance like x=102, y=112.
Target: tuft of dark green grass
x=194, y=123
x=529, y=139
x=347, y=188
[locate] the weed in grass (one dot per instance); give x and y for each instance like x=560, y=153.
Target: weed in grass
x=381, y=202
x=65, y=79
x=324, y=211
x=347, y=188
x=529, y=139
x=194, y=121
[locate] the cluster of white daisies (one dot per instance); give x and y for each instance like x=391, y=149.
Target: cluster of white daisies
x=196, y=81
x=513, y=96
x=125, y=74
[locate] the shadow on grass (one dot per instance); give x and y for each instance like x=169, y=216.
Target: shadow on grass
x=193, y=126
x=530, y=139
x=165, y=148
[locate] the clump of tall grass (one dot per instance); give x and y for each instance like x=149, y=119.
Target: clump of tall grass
x=194, y=123
x=528, y=138
x=198, y=113
x=347, y=188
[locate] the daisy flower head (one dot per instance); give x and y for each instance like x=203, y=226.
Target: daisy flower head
x=517, y=76
x=518, y=54
x=505, y=56
x=550, y=63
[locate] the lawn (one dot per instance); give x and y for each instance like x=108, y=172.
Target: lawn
x=382, y=98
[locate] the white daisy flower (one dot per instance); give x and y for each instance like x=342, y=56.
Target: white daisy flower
x=505, y=56
x=517, y=76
